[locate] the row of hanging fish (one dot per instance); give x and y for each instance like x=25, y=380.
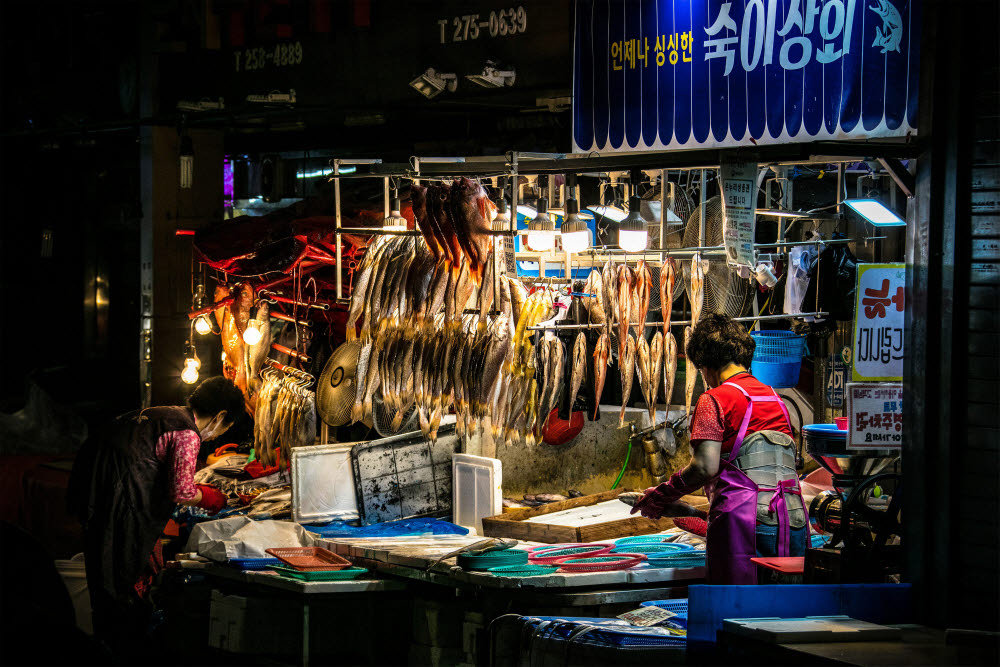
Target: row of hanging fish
x=620, y=300
x=285, y=418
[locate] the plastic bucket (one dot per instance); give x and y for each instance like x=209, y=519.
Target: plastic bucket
x=74, y=575
x=777, y=357
x=842, y=422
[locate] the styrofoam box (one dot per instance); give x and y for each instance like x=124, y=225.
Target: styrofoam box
x=323, y=484
x=476, y=490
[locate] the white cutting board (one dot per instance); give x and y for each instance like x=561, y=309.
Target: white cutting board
x=323, y=484
x=609, y=510
x=810, y=629
x=476, y=490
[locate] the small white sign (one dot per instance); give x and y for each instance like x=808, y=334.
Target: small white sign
x=646, y=616
x=876, y=414
x=739, y=204
x=878, y=322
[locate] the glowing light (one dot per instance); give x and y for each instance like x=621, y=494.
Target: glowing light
x=574, y=229
x=202, y=325
x=541, y=230
x=190, y=373
x=252, y=334
x=633, y=232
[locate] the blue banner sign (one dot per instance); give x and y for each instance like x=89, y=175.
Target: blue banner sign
x=663, y=74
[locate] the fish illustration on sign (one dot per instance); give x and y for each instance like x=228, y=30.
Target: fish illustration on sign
x=891, y=32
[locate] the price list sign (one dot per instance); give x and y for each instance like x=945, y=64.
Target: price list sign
x=739, y=203
x=876, y=414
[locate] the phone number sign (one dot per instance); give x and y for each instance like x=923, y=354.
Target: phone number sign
x=876, y=413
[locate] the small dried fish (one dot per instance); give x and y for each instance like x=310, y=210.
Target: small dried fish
x=669, y=368
x=668, y=276
x=630, y=498
x=642, y=293
x=625, y=283
x=698, y=269
x=643, y=367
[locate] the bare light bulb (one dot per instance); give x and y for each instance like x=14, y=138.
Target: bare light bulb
x=632, y=241
x=190, y=373
x=251, y=335
x=576, y=241
x=541, y=241
x=202, y=325
x=541, y=230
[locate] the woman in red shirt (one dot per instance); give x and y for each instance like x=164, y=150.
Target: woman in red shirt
x=743, y=455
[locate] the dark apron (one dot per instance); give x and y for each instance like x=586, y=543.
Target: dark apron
x=732, y=519
x=122, y=495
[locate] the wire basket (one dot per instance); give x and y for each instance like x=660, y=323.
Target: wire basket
x=557, y=555
x=254, y=563
x=652, y=550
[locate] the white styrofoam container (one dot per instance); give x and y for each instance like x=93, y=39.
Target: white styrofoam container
x=476, y=490
x=323, y=484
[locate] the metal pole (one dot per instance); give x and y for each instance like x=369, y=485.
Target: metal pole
x=385, y=196
x=336, y=196
x=663, y=208
x=678, y=323
x=701, y=216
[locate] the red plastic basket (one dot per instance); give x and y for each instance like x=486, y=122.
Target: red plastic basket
x=609, y=563
x=309, y=559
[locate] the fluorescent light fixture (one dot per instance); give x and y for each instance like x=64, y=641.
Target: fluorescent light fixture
x=541, y=230
x=432, y=83
x=492, y=76
x=633, y=231
x=875, y=212
x=574, y=230
x=610, y=212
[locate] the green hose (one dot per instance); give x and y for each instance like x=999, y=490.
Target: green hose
x=628, y=455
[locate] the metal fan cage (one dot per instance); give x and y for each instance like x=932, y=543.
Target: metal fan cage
x=336, y=411
x=382, y=417
x=725, y=291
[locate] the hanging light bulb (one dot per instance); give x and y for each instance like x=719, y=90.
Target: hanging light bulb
x=541, y=230
x=633, y=232
x=202, y=325
x=190, y=373
x=395, y=221
x=252, y=334
x=574, y=229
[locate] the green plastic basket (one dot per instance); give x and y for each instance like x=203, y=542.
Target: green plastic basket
x=320, y=575
x=490, y=559
x=525, y=570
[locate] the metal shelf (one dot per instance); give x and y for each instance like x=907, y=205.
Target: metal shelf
x=749, y=318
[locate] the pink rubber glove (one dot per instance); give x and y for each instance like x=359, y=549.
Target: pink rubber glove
x=657, y=498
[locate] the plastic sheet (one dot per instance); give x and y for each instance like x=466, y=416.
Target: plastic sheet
x=389, y=529
x=242, y=537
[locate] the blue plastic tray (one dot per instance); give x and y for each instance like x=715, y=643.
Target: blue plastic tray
x=254, y=563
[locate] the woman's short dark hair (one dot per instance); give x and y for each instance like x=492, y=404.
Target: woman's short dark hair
x=214, y=395
x=717, y=340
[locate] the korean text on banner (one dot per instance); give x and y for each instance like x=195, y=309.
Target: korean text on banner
x=671, y=74
x=739, y=203
x=876, y=413
x=878, y=322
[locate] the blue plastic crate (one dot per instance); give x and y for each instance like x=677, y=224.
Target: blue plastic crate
x=678, y=607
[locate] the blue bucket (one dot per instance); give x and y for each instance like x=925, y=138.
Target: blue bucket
x=777, y=357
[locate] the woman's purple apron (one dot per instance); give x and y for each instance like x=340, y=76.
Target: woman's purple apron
x=732, y=519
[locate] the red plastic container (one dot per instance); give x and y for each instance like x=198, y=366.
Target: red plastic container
x=309, y=559
x=842, y=422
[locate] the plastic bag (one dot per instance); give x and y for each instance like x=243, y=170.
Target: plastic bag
x=241, y=537
x=836, y=274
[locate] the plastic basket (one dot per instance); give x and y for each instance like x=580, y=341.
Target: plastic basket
x=525, y=570
x=678, y=607
x=309, y=558
x=653, y=550
x=642, y=539
x=547, y=556
x=485, y=561
x=777, y=357
x=321, y=575
x=601, y=563
x=254, y=563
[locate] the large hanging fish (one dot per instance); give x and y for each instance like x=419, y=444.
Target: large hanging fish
x=626, y=366
x=656, y=361
x=609, y=283
x=595, y=304
x=601, y=351
x=690, y=373
x=642, y=293
x=669, y=368
x=668, y=277
x=625, y=283
x=698, y=269
x=643, y=367
x=579, y=367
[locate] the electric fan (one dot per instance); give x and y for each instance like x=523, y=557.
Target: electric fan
x=336, y=388
x=725, y=291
